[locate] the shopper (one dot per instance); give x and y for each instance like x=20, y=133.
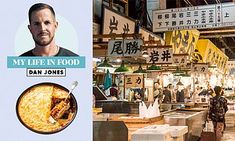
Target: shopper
x=114, y=91
x=167, y=95
x=138, y=94
x=180, y=94
x=195, y=95
x=210, y=91
x=158, y=92
x=218, y=108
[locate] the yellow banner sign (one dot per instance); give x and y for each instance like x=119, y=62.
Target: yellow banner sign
x=207, y=52
x=182, y=41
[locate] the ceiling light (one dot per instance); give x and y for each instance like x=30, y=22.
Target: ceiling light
x=122, y=68
x=145, y=54
x=105, y=64
x=118, y=60
x=154, y=68
x=179, y=83
x=140, y=70
x=179, y=72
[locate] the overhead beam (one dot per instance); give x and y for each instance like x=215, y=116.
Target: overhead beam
x=217, y=31
x=150, y=42
x=217, y=36
x=100, y=36
x=206, y=2
x=226, y=46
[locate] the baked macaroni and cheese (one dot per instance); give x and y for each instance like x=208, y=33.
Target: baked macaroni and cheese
x=43, y=102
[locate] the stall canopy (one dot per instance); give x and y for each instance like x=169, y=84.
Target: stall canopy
x=182, y=41
x=207, y=52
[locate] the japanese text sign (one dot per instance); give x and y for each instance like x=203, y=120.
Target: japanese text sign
x=207, y=52
x=149, y=36
x=160, y=55
x=231, y=67
x=117, y=23
x=126, y=47
x=182, y=41
x=200, y=68
x=96, y=29
x=197, y=17
x=180, y=60
x=134, y=81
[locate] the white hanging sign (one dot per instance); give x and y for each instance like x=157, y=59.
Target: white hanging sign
x=114, y=22
x=134, y=81
x=180, y=60
x=197, y=17
x=149, y=36
x=126, y=47
x=200, y=68
x=160, y=55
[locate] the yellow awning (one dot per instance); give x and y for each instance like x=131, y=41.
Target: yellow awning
x=210, y=54
x=182, y=41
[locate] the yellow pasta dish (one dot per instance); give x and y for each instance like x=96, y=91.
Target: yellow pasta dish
x=38, y=105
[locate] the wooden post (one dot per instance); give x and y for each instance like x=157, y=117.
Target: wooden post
x=124, y=87
x=178, y=3
x=111, y=4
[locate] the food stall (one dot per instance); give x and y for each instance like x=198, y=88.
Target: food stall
x=109, y=131
x=194, y=120
x=160, y=132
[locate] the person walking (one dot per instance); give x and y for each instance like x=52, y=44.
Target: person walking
x=218, y=108
x=167, y=95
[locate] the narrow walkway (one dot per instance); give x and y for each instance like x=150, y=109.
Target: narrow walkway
x=229, y=134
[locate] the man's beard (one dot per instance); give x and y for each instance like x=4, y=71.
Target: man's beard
x=42, y=43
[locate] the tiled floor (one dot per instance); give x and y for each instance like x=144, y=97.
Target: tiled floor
x=229, y=134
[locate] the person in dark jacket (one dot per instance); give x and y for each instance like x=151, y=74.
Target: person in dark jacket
x=167, y=95
x=114, y=91
x=218, y=108
x=180, y=94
